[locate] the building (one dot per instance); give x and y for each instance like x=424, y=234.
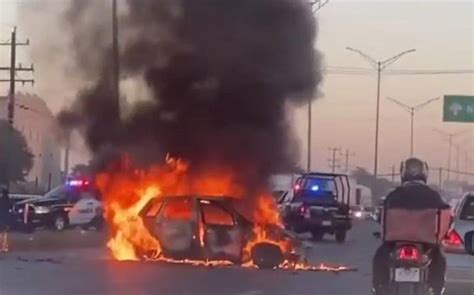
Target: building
x=38, y=125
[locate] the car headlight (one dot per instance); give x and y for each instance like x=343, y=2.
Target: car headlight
x=42, y=210
x=358, y=214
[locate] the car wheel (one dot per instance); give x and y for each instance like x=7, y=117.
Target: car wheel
x=341, y=236
x=60, y=222
x=317, y=235
x=266, y=255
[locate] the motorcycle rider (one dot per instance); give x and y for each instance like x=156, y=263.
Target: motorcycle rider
x=413, y=194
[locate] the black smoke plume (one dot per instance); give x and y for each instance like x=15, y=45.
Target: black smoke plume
x=221, y=73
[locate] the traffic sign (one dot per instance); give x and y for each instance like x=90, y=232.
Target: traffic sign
x=458, y=108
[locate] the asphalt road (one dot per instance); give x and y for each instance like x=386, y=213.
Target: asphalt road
x=90, y=271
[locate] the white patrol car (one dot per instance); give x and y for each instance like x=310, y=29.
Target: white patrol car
x=75, y=203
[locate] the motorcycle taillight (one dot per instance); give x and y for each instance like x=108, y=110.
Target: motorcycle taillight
x=409, y=253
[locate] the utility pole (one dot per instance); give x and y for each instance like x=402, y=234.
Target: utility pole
x=347, y=156
x=412, y=110
x=116, y=57
x=66, y=154
x=316, y=5
x=450, y=137
x=393, y=173
x=379, y=66
x=440, y=177
x=466, y=164
x=458, y=148
x=13, y=69
x=334, y=161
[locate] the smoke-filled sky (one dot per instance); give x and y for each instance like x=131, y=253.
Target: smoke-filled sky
x=441, y=31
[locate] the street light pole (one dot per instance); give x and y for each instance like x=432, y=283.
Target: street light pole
x=412, y=110
x=412, y=132
x=377, y=120
x=380, y=66
x=316, y=5
x=308, y=168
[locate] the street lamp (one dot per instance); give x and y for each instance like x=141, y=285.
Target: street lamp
x=379, y=66
x=316, y=5
x=412, y=110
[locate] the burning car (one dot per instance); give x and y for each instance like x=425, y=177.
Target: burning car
x=208, y=228
x=162, y=214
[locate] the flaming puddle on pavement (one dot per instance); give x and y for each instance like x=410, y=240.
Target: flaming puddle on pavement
x=145, y=223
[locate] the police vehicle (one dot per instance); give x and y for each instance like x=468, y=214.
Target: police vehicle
x=75, y=203
x=319, y=204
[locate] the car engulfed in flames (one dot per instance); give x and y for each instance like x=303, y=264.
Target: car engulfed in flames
x=164, y=214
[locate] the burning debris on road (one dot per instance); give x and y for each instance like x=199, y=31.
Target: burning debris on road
x=221, y=76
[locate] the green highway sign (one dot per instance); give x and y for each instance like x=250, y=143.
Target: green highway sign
x=458, y=108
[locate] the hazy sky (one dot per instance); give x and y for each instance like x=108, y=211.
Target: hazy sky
x=442, y=33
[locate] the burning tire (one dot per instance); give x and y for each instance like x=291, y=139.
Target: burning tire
x=266, y=255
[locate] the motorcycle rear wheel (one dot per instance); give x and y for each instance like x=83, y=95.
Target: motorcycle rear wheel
x=408, y=289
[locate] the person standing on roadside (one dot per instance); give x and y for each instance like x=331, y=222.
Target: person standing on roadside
x=4, y=220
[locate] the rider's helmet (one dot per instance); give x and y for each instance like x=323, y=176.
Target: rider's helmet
x=414, y=169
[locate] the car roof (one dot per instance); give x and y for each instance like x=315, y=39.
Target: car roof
x=200, y=197
x=324, y=175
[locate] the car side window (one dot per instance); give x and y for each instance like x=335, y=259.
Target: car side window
x=179, y=209
x=467, y=210
x=154, y=209
x=58, y=193
x=214, y=215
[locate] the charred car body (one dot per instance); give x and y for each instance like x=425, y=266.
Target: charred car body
x=209, y=228
x=319, y=204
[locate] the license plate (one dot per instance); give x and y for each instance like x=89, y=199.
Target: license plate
x=327, y=223
x=408, y=275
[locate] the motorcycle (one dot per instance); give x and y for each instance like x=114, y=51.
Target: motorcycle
x=409, y=267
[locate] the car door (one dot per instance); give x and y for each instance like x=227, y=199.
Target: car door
x=175, y=226
x=83, y=209
x=223, y=238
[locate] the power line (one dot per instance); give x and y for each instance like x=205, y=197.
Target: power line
x=429, y=72
x=343, y=70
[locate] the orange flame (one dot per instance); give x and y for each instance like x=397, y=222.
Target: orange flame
x=126, y=191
